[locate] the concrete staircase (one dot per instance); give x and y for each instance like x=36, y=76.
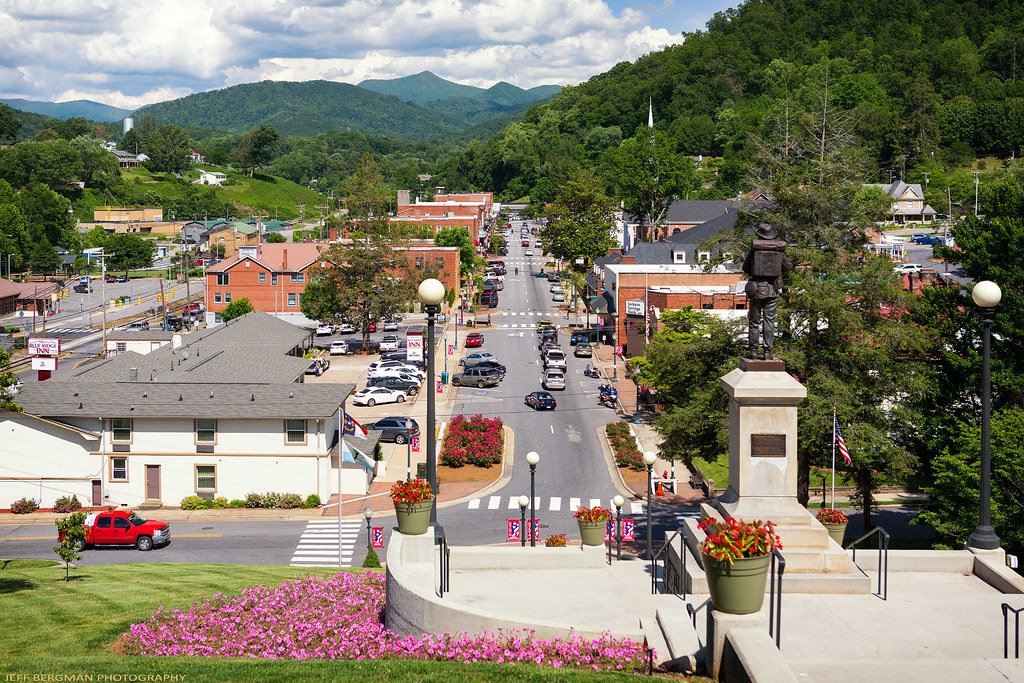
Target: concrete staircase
x=672, y=635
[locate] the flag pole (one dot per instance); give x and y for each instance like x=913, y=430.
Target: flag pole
x=341, y=459
x=834, y=457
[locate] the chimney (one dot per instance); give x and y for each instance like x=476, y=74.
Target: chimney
x=332, y=234
x=438, y=190
x=175, y=341
x=133, y=373
x=284, y=259
x=403, y=197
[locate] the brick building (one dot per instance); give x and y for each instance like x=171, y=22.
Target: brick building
x=274, y=275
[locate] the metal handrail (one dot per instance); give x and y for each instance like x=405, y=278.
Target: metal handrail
x=775, y=597
x=692, y=611
x=441, y=540
x=654, y=563
x=1006, y=630
x=650, y=657
x=883, y=554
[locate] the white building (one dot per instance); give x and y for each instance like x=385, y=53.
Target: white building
x=137, y=341
x=224, y=414
x=211, y=178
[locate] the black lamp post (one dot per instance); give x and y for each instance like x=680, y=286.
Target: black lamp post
x=617, y=501
x=986, y=295
x=431, y=294
x=522, y=525
x=368, y=514
x=650, y=457
x=532, y=458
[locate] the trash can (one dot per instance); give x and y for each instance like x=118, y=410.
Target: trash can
x=444, y=378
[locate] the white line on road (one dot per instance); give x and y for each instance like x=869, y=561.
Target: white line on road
x=513, y=502
x=552, y=429
x=574, y=503
x=474, y=504
x=636, y=508
x=595, y=502
x=556, y=504
x=493, y=502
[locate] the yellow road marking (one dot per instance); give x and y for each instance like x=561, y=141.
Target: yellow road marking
x=54, y=538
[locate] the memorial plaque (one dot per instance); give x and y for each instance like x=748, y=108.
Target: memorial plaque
x=768, y=445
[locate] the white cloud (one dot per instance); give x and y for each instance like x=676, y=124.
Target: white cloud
x=132, y=53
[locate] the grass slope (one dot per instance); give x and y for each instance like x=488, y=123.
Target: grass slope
x=50, y=626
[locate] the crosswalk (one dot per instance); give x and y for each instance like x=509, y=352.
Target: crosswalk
x=68, y=330
x=318, y=545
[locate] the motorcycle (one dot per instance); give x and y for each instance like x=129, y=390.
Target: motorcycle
x=608, y=400
x=590, y=371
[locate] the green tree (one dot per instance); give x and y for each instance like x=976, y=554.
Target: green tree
x=71, y=529
x=581, y=220
x=44, y=258
x=257, y=147
x=458, y=237
x=128, y=252
x=273, y=237
x=236, y=309
x=100, y=169
x=367, y=199
x=7, y=380
x=9, y=123
x=168, y=150
x=47, y=214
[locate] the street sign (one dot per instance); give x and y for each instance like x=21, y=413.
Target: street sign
x=44, y=347
x=377, y=537
x=415, y=444
x=414, y=346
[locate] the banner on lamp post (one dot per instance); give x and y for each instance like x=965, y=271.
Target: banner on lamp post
x=377, y=538
x=415, y=441
x=414, y=346
x=451, y=349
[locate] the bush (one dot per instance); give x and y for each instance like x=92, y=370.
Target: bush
x=556, y=541
x=195, y=503
x=237, y=503
x=67, y=504
x=371, y=561
x=24, y=506
x=475, y=441
x=253, y=500
x=624, y=446
x=289, y=501
x=312, y=501
x=220, y=503
x=270, y=499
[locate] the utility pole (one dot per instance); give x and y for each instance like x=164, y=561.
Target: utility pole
x=926, y=181
x=975, y=194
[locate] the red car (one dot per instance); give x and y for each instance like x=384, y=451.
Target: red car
x=474, y=339
x=123, y=527
x=525, y=243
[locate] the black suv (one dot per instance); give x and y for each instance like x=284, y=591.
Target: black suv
x=397, y=429
x=173, y=323
x=410, y=388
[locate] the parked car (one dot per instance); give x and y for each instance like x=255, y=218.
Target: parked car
x=553, y=379
x=905, y=268
x=82, y=289
x=356, y=345
x=345, y=328
x=318, y=366
x=493, y=283
x=124, y=528
x=193, y=308
x=122, y=278
x=371, y=396
x=476, y=357
x=477, y=377
x=489, y=299
x=138, y=325
x=558, y=297
x=474, y=339
x=524, y=243
x=400, y=374
x=324, y=330
x=555, y=287
x=339, y=348
x=173, y=323
x=493, y=365
x=395, y=429
x=388, y=342
x=391, y=325
x=379, y=366
x=110, y=279
x=583, y=351
x=541, y=400
x=528, y=252
x=408, y=387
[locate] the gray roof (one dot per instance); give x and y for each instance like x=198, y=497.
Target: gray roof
x=691, y=239
x=254, y=348
x=652, y=252
x=149, y=399
x=140, y=335
x=692, y=211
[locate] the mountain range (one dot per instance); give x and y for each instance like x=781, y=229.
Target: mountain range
x=419, y=107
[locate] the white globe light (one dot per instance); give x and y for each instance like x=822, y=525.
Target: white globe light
x=533, y=457
x=617, y=501
x=431, y=292
x=650, y=457
x=524, y=502
x=987, y=294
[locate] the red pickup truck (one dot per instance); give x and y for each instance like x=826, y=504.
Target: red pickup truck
x=122, y=527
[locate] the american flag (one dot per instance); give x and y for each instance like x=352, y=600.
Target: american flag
x=838, y=437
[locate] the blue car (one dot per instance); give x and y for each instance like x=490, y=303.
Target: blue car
x=541, y=400
x=927, y=239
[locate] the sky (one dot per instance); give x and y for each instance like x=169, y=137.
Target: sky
x=128, y=53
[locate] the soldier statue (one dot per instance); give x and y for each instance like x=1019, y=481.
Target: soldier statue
x=764, y=265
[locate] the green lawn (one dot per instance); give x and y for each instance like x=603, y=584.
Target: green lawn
x=50, y=626
x=719, y=471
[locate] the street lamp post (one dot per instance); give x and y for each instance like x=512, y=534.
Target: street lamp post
x=618, y=501
x=368, y=514
x=522, y=525
x=431, y=294
x=986, y=295
x=532, y=458
x=615, y=368
x=649, y=459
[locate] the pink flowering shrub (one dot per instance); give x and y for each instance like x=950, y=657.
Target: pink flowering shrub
x=339, y=618
x=476, y=441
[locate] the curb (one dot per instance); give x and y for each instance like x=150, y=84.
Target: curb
x=613, y=470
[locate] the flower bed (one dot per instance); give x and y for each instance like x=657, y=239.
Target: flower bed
x=339, y=618
x=624, y=446
x=477, y=440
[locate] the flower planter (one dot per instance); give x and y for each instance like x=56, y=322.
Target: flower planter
x=413, y=518
x=737, y=587
x=837, y=532
x=592, y=533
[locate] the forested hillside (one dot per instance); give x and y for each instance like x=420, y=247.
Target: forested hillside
x=86, y=109
x=914, y=82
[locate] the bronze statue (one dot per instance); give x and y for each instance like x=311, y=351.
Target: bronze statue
x=764, y=265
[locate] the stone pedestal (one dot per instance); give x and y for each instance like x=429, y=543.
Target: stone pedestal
x=763, y=401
